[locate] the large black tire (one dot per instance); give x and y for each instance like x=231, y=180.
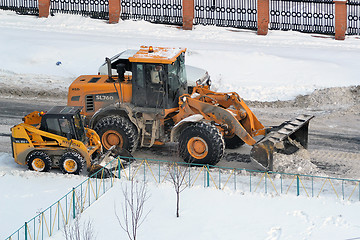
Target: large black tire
x=39, y=161
x=234, y=142
x=201, y=143
x=117, y=130
x=71, y=163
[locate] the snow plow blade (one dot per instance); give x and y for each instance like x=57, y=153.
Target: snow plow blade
x=104, y=166
x=286, y=138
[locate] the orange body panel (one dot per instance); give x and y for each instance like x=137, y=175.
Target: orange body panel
x=33, y=118
x=226, y=109
x=243, y=113
x=103, y=91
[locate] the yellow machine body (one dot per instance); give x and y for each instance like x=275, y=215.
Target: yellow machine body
x=56, y=149
x=27, y=138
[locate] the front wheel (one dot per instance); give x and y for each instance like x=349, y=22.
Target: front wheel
x=201, y=143
x=71, y=162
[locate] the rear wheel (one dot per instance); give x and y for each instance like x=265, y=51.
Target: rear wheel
x=233, y=142
x=71, y=162
x=117, y=130
x=201, y=143
x=39, y=161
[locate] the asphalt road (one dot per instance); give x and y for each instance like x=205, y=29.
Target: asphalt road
x=13, y=110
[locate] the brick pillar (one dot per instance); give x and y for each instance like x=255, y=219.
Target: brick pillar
x=340, y=19
x=263, y=16
x=188, y=14
x=114, y=11
x=44, y=8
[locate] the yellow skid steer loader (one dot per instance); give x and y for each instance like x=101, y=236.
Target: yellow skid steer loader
x=58, y=139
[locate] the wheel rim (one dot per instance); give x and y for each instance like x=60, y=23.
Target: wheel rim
x=110, y=138
x=197, y=147
x=38, y=164
x=70, y=165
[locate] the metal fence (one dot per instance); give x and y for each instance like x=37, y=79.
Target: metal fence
x=91, y=8
x=55, y=217
x=227, y=13
x=24, y=7
x=353, y=20
x=310, y=16
x=155, y=11
x=244, y=180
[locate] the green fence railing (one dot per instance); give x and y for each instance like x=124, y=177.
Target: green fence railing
x=157, y=171
x=82, y=196
x=59, y=214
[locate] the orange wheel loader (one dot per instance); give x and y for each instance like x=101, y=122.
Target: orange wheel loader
x=147, y=104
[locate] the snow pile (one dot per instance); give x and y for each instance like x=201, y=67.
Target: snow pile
x=33, y=85
x=297, y=163
x=330, y=97
x=326, y=98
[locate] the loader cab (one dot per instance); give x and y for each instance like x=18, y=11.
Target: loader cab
x=64, y=121
x=157, y=83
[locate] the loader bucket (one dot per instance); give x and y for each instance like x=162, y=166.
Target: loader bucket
x=286, y=138
x=103, y=167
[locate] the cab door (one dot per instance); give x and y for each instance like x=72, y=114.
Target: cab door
x=148, y=86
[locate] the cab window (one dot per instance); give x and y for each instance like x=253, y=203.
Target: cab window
x=57, y=126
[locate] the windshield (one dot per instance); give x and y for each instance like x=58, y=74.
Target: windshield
x=177, y=73
x=79, y=127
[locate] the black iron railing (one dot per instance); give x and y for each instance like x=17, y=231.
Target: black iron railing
x=353, y=20
x=24, y=7
x=227, y=13
x=311, y=16
x=91, y=8
x=156, y=11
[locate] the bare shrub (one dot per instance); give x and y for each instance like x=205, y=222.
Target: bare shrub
x=133, y=214
x=77, y=231
x=177, y=178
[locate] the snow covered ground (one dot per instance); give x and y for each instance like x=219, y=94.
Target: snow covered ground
x=25, y=194
x=275, y=67
x=213, y=214
x=279, y=66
